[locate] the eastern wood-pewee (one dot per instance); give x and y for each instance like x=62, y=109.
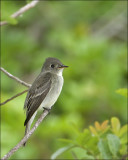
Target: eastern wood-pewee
x=44, y=91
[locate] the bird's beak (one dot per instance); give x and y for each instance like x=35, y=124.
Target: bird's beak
x=63, y=66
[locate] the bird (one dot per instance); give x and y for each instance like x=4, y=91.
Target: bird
x=44, y=91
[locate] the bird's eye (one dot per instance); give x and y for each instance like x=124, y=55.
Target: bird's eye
x=52, y=66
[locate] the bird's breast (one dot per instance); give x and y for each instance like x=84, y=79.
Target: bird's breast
x=54, y=92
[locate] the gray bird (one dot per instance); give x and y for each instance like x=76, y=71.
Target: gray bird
x=44, y=91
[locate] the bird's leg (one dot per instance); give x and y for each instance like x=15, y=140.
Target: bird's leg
x=48, y=109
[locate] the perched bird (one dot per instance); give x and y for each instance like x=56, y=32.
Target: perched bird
x=44, y=91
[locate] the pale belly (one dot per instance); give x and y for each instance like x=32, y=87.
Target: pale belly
x=53, y=94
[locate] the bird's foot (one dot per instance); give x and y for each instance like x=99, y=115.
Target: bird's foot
x=48, y=109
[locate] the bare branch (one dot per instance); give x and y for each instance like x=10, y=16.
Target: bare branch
x=110, y=29
x=25, y=138
x=21, y=11
x=19, y=94
x=15, y=78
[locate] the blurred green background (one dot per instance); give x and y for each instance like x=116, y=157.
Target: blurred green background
x=89, y=37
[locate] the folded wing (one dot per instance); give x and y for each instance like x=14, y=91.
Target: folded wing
x=37, y=94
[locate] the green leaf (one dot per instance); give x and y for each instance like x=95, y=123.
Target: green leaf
x=113, y=143
x=93, y=130
x=104, y=150
x=60, y=151
x=123, y=149
x=91, y=145
x=123, y=92
x=67, y=141
x=123, y=134
x=80, y=153
x=83, y=137
x=123, y=130
x=75, y=128
x=115, y=125
x=124, y=139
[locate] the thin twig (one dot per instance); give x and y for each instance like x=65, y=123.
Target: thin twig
x=15, y=78
x=27, y=136
x=21, y=11
x=110, y=29
x=19, y=94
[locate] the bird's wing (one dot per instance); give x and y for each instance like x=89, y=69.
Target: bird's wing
x=36, y=94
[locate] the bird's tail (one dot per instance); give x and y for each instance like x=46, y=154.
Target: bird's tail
x=28, y=125
x=27, y=129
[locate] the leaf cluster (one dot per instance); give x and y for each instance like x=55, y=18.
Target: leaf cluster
x=107, y=140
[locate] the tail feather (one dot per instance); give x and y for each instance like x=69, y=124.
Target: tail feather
x=28, y=125
x=27, y=129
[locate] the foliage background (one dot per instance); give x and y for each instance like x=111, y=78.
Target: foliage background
x=80, y=34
